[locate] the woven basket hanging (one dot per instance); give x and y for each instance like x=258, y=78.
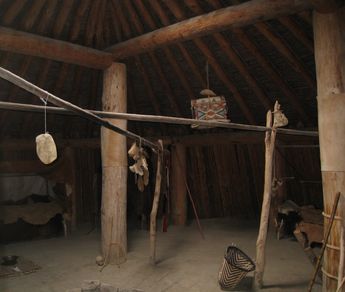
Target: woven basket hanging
x=236, y=265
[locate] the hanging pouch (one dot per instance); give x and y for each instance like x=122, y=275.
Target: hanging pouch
x=46, y=148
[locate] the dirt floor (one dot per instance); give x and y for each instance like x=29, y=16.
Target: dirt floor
x=186, y=262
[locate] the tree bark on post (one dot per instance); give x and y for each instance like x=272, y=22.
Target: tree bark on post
x=329, y=39
x=155, y=203
x=114, y=168
x=178, y=186
x=266, y=201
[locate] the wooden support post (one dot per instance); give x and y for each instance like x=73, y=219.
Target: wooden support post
x=329, y=40
x=114, y=167
x=178, y=187
x=266, y=201
x=279, y=193
x=155, y=203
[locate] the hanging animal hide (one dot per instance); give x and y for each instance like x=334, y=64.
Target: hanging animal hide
x=46, y=148
x=140, y=167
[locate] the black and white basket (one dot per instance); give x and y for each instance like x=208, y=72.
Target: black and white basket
x=236, y=265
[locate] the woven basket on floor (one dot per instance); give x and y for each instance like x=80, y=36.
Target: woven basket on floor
x=236, y=265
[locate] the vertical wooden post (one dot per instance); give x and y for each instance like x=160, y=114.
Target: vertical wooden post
x=178, y=186
x=329, y=40
x=279, y=193
x=114, y=168
x=266, y=201
x=155, y=203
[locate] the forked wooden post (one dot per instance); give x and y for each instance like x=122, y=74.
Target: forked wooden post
x=114, y=168
x=153, y=215
x=266, y=201
x=274, y=120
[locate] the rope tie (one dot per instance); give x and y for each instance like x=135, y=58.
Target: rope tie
x=45, y=101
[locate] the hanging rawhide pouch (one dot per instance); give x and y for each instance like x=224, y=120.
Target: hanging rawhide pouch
x=45, y=145
x=46, y=148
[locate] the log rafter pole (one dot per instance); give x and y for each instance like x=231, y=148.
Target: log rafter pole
x=34, y=45
x=266, y=65
x=40, y=93
x=178, y=13
x=233, y=16
x=235, y=59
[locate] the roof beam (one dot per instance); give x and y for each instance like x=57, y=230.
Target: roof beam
x=38, y=46
x=225, y=18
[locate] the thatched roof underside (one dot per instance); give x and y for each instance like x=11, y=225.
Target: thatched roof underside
x=256, y=64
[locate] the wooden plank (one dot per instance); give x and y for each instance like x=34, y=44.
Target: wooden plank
x=38, y=46
x=233, y=16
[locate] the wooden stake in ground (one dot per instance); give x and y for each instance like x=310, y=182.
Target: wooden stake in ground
x=156, y=196
x=273, y=120
x=114, y=169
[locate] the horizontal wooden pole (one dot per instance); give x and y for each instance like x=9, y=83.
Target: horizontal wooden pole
x=233, y=16
x=33, y=45
x=45, y=95
x=153, y=119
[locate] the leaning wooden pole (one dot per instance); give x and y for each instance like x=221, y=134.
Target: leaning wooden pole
x=42, y=94
x=266, y=201
x=329, y=40
x=114, y=168
x=274, y=120
x=155, y=203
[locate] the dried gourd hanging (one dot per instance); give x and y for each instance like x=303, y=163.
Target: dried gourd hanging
x=45, y=145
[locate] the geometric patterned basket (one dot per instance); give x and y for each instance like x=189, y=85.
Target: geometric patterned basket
x=209, y=108
x=236, y=265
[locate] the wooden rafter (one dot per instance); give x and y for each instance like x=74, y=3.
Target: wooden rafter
x=178, y=13
x=235, y=60
x=13, y=11
x=34, y=11
x=273, y=74
x=186, y=55
x=168, y=53
x=297, y=32
x=233, y=16
x=241, y=35
x=29, y=44
x=139, y=64
x=286, y=52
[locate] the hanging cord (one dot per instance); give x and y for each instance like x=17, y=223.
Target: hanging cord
x=207, y=76
x=45, y=101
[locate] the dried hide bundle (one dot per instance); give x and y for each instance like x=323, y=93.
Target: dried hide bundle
x=140, y=167
x=46, y=148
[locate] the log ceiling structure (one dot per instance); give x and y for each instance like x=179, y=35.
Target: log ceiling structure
x=257, y=51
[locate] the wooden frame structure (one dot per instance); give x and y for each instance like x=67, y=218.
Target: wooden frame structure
x=329, y=49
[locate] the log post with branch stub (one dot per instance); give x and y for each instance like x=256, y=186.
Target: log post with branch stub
x=274, y=120
x=155, y=203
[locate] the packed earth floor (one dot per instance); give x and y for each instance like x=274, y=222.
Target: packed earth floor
x=186, y=262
